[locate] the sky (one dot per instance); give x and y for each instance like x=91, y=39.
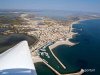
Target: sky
x=69, y=5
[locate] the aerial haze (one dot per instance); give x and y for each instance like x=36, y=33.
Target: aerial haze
x=69, y=5
x=63, y=36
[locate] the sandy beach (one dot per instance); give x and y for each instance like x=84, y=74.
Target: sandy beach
x=66, y=42
x=70, y=35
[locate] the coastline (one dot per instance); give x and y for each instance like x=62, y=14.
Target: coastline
x=70, y=35
x=67, y=41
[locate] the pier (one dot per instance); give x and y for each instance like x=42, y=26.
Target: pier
x=56, y=72
x=57, y=59
x=51, y=68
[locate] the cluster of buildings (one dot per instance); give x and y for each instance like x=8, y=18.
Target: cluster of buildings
x=43, y=28
x=47, y=30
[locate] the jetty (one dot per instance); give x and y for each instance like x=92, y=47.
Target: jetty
x=57, y=58
x=57, y=73
x=51, y=47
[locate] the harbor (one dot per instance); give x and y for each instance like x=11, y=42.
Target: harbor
x=53, y=62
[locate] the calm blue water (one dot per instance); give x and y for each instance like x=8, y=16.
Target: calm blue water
x=86, y=54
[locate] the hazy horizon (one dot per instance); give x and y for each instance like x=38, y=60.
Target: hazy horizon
x=67, y=5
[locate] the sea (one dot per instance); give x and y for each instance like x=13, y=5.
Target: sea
x=85, y=54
